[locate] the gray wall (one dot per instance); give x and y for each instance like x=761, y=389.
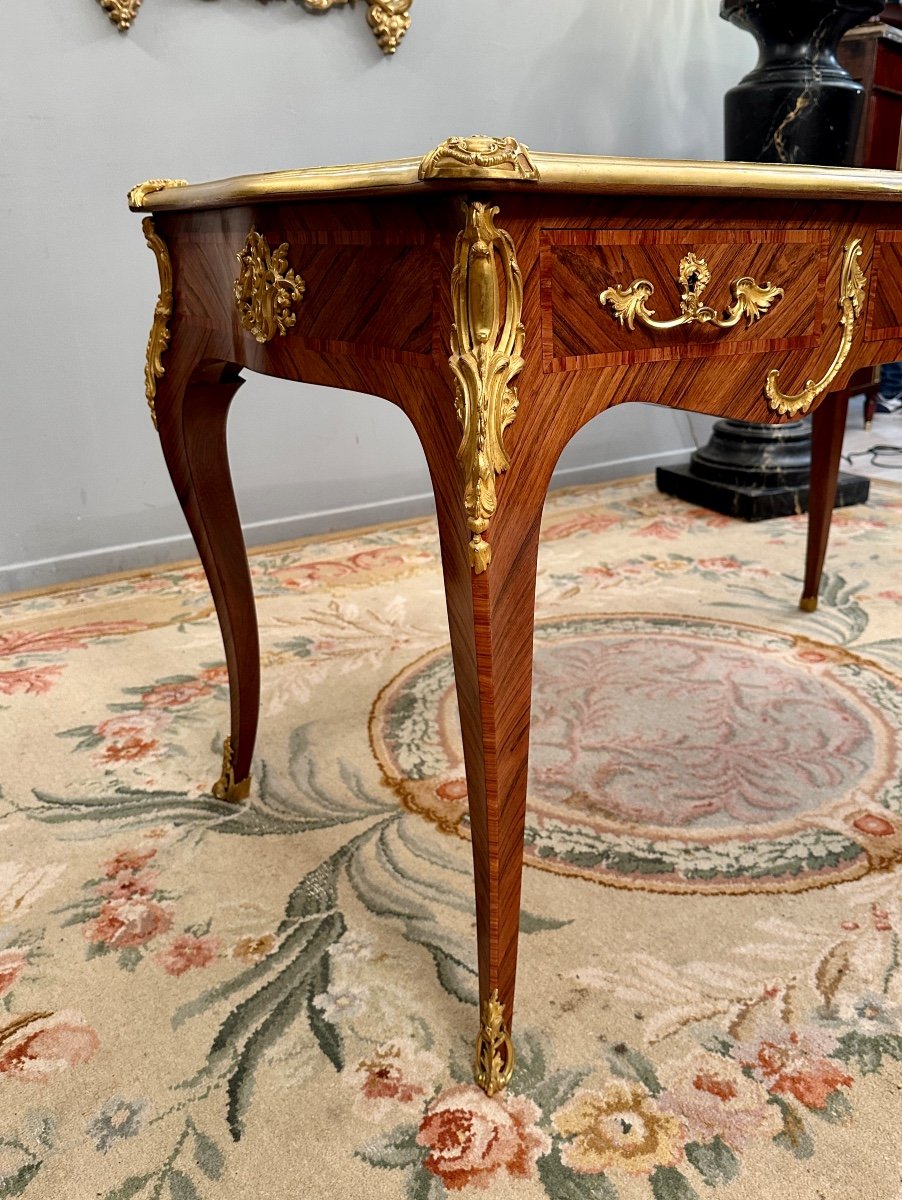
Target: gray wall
x=201, y=90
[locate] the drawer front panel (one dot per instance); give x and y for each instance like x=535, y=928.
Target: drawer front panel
x=579, y=264
x=884, y=318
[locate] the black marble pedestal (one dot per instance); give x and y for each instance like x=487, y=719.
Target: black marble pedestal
x=754, y=472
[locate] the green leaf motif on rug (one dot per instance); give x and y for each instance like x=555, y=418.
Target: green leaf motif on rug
x=397, y=1148
x=280, y=1001
x=794, y=1135
x=129, y=1187
x=837, y=1109
x=327, y=1036
x=181, y=1186
x=714, y=1161
x=14, y=1181
x=423, y=1185
x=868, y=1052
x=667, y=1183
x=556, y=1089
x=531, y=1066
x=208, y=1156
x=562, y=1184
x=627, y=1063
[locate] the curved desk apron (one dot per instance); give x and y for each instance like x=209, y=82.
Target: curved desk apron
x=502, y=299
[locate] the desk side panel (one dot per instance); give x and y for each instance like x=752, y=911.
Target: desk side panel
x=368, y=273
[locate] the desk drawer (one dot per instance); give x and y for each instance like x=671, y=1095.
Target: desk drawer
x=579, y=265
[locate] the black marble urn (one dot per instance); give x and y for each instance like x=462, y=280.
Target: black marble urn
x=798, y=105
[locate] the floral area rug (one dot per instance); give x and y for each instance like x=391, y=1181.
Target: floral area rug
x=279, y=999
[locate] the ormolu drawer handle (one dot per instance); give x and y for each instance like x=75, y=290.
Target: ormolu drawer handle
x=750, y=299
x=852, y=283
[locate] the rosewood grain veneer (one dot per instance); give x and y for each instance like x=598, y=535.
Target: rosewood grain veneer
x=502, y=299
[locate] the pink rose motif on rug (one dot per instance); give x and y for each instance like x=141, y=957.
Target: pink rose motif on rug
x=37, y=1046
x=676, y=754
x=475, y=1141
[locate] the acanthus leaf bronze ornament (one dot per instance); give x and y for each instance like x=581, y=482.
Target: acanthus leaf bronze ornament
x=486, y=345
x=750, y=300
x=159, y=330
x=121, y=12
x=266, y=288
x=852, y=285
x=141, y=191
x=388, y=19
x=479, y=157
x=226, y=787
x=495, y=1057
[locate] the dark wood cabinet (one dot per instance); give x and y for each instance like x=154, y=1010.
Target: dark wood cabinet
x=872, y=54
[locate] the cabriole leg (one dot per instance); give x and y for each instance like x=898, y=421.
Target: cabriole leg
x=192, y=405
x=491, y=617
x=489, y=536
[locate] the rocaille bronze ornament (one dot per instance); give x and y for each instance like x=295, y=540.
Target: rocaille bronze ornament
x=388, y=19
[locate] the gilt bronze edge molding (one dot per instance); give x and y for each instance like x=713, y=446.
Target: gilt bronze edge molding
x=139, y=193
x=388, y=19
x=579, y=174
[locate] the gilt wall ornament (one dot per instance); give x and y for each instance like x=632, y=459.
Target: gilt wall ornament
x=266, y=289
x=486, y=345
x=121, y=12
x=388, y=19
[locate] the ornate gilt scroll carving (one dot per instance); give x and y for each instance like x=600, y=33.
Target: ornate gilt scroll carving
x=266, y=289
x=750, y=300
x=494, y=1063
x=479, y=157
x=852, y=285
x=388, y=19
x=159, y=331
x=486, y=344
x=141, y=191
x=121, y=12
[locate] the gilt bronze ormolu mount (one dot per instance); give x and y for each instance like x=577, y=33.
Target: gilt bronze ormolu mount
x=388, y=19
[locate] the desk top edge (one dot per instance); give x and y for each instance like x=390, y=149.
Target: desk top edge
x=515, y=167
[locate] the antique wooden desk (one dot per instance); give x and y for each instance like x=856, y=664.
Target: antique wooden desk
x=502, y=299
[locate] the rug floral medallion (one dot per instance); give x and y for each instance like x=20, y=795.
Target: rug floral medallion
x=278, y=999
